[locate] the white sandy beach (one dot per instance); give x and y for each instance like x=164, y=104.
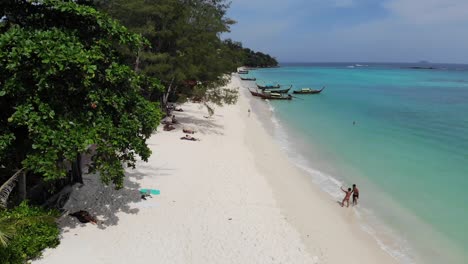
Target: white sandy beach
x=232, y=197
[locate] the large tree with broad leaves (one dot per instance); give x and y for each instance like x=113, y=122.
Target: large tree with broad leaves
x=64, y=85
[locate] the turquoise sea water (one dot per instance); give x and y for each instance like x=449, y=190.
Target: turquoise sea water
x=408, y=149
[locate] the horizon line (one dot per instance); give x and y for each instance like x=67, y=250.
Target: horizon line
x=375, y=62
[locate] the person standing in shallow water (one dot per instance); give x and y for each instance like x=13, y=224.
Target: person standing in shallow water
x=355, y=194
x=347, y=196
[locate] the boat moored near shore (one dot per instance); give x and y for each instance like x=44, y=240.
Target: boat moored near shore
x=278, y=90
x=308, y=91
x=275, y=96
x=255, y=93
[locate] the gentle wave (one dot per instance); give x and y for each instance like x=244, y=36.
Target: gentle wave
x=386, y=238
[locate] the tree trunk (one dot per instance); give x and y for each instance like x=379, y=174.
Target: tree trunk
x=166, y=96
x=137, y=61
x=175, y=88
x=77, y=172
x=22, y=186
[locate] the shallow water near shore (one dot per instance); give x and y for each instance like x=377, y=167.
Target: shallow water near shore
x=407, y=151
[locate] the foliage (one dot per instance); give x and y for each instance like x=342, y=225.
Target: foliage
x=214, y=94
x=64, y=86
x=30, y=230
x=6, y=232
x=251, y=58
x=259, y=59
x=185, y=41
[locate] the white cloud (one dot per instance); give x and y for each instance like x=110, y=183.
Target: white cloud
x=429, y=11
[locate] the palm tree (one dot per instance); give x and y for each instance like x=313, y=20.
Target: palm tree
x=9, y=225
x=6, y=227
x=6, y=232
x=7, y=187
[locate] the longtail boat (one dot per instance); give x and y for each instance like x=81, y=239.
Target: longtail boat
x=255, y=93
x=243, y=72
x=271, y=95
x=308, y=91
x=277, y=90
x=268, y=86
x=275, y=96
x=248, y=79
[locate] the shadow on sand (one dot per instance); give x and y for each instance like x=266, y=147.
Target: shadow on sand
x=105, y=202
x=203, y=125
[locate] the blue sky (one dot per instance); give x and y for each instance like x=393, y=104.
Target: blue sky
x=354, y=30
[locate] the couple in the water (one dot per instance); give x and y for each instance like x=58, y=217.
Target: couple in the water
x=354, y=192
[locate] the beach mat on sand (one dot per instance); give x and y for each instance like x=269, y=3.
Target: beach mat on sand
x=150, y=191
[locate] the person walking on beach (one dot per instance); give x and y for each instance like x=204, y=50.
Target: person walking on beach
x=249, y=112
x=347, y=196
x=355, y=194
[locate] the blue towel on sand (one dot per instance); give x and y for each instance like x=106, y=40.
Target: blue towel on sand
x=150, y=191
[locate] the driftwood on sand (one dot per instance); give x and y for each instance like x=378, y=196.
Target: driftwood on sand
x=84, y=217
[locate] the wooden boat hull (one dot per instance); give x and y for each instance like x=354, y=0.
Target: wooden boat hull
x=269, y=97
x=243, y=72
x=255, y=93
x=248, y=79
x=308, y=92
x=280, y=91
x=277, y=90
x=289, y=97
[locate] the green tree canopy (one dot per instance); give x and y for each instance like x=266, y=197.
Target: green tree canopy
x=186, y=47
x=64, y=85
x=250, y=58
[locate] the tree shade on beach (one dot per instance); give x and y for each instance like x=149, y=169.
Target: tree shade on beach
x=75, y=79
